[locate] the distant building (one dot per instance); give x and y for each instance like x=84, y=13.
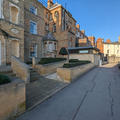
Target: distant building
x=92, y=40
x=100, y=45
x=112, y=48
x=83, y=41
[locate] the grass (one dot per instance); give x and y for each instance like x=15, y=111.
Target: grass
x=75, y=63
x=4, y=79
x=50, y=60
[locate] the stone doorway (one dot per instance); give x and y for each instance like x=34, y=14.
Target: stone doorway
x=15, y=48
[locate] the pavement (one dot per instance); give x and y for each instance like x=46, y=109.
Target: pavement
x=94, y=96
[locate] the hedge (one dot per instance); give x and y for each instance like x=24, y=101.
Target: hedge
x=50, y=60
x=74, y=63
x=4, y=79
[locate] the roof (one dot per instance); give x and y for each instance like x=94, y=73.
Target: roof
x=49, y=37
x=112, y=43
x=54, y=6
x=83, y=48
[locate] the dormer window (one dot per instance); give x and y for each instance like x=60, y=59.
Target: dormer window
x=33, y=10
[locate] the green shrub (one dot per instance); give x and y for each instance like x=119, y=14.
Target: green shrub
x=4, y=79
x=50, y=60
x=74, y=63
x=73, y=60
x=29, y=62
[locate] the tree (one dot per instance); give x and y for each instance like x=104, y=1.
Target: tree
x=64, y=51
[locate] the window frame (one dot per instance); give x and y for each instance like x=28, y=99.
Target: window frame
x=35, y=32
x=34, y=10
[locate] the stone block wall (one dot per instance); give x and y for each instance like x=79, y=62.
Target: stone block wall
x=12, y=99
x=91, y=57
x=49, y=68
x=20, y=69
x=69, y=74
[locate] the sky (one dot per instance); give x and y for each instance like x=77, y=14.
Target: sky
x=99, y=18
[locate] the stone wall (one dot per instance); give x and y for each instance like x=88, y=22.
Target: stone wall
x=113, y=59
x=91, y=57
x=49, y=68
x=69, y=74
x=12, y=99
x=20, y=69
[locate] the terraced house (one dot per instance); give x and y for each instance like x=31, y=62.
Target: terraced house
x=11, y=30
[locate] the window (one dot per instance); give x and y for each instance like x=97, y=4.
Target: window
x=33, y=50
x=47, y=15
x=50, y=17
x=107, y=51
x=46, y=26
x=54, y=27
x=33, y=10
x=33, y=27
x=14, y=14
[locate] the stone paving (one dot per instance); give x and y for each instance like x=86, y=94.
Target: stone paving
x=41, y=89
x=94, y=96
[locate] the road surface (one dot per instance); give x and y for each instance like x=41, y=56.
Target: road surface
x=94, y=96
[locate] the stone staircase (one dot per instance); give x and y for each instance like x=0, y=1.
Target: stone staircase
x=34, y=75
x=7, y=70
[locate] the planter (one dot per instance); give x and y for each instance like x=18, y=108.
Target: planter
x=49, y=68
x=69, y=74
x=12, y=99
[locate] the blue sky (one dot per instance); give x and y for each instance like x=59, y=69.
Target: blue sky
x=99, y=18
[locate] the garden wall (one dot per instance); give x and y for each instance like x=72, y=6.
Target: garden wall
x=20, y=69
x=49, y=68
x=12, y=99
x=90, y=57
x=69, y=74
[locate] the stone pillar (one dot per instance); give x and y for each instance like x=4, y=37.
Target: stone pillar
x=33, y=62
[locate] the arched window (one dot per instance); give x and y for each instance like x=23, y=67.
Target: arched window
x=14, y=14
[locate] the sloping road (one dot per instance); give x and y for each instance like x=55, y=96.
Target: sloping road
x=94, y=96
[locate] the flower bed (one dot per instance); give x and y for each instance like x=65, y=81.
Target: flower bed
x=50, y=60
x=4, y=79
x=74, y=63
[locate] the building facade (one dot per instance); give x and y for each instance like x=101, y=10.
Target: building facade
x=62, y=25
x=112, y=49
x=11, y=30
x=29, y=29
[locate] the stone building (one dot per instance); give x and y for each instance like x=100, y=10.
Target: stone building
x=62, y=24
x=11, y=30
x=34, y=26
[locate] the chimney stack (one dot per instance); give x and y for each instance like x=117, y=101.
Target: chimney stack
x=49, y=3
